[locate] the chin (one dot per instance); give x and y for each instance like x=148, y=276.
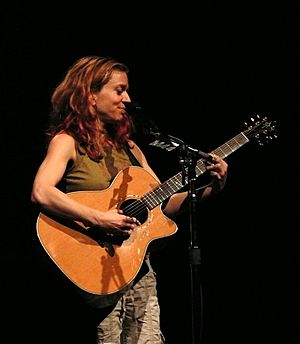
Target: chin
x=115, y=118
x=120, y=116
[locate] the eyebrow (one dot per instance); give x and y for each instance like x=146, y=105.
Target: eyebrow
x=123, y=85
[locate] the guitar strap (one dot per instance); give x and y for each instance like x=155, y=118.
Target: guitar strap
x=132, y=157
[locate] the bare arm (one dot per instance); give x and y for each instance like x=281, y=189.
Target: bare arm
x=46, y=194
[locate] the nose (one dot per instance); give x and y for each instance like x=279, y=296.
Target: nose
x=126, y=98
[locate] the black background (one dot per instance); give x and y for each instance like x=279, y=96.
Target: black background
x=200, y=70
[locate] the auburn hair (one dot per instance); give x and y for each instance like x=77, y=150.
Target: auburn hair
x=72, y=113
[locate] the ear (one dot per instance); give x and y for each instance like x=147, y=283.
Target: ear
x=92, y=98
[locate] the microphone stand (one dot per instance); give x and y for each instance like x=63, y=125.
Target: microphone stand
x=188, y=159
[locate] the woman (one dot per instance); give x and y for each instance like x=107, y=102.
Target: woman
x=89, y=144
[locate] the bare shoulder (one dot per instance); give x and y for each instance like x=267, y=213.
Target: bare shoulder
x=63, y=138
x=63, y=144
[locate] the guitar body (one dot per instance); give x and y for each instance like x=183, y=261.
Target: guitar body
x=101, y=265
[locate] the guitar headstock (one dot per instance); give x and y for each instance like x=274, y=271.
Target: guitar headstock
x=261, y=129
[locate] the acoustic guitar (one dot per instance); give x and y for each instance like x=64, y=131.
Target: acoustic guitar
x=104, y=265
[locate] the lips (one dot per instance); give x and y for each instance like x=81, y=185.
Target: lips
x=122, y=110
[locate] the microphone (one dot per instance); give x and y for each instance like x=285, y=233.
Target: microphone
x=131, y=107
x=201, y=154
x=147, y=126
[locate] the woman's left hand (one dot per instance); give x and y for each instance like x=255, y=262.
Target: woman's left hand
x=218, y=168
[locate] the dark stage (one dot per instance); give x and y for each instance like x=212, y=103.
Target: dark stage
x=199, y=72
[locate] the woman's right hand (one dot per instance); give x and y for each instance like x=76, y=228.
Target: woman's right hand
x=114, y=223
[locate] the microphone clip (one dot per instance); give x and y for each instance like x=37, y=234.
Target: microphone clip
x=169, y=143
x=163, y=141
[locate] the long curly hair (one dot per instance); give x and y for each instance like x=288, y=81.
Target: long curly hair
x=71, y=111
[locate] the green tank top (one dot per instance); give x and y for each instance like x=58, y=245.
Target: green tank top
x=87, y=174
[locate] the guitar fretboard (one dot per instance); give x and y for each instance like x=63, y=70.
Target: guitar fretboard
x=177, y=182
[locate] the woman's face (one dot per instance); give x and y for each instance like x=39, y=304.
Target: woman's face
x=110, y=100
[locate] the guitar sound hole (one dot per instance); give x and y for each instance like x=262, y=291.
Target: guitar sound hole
x=135, y=208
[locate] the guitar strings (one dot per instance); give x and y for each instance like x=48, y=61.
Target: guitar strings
x=136, y=208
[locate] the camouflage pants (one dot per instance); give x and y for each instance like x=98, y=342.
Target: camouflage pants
x=135, y=317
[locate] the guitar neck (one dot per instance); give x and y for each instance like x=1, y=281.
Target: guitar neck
x=176, y=183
